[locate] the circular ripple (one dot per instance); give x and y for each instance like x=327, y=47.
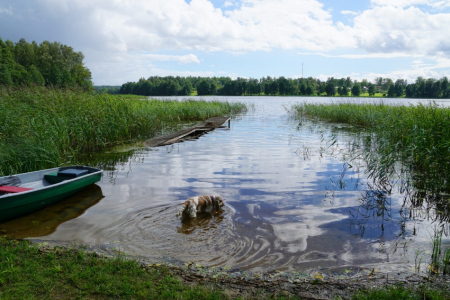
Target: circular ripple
x=156, y=232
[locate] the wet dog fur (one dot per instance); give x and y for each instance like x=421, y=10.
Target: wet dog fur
x=200, y=204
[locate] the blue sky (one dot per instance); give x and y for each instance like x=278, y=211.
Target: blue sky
x=124, y=40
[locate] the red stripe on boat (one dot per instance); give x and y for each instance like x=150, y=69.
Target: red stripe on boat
x=13, y=189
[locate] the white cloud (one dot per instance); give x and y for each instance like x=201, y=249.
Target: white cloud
x=227, y=4
x=163, y=72
x=362, y=56
x=348, y=12
x=122, y=33
x=184, y=59
x=198, y=25
x=439, y=4
x=388, y=29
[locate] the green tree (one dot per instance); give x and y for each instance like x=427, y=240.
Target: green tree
x=420, y=87
x=5, y=75
x=356, y=89
x=330, y=89
x=364, y=83
x=186, y=90
x=67, y=79
x=348, y=83
x=391, y=91
x=274, y=88
x=173, y=88
x=343, y=91
x=19, y=75
x=282, y=85
x=204, y=88
x=445, y=87
x=411, y=91
x=398, y=88
x=371, y=89
x=36, y=76
x=303, y=88
x=387, y=82
x=82, y=76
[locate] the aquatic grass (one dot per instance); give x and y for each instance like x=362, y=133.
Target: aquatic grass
x=42, y=127
x=440, y=257
x=416, y=136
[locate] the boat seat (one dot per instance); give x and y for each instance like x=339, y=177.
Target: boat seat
x=13, y=189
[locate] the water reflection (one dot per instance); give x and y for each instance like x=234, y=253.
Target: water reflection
x=46, y=221
x=293, y=199
x=203, y=222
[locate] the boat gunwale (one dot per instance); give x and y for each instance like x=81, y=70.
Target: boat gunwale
x=68, y=181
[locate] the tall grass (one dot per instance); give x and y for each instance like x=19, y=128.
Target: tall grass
x=417, y=136
x=401, y=293
x=440, y=256
x=41, y=127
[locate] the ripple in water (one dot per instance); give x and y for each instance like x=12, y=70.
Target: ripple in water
x=156, y=232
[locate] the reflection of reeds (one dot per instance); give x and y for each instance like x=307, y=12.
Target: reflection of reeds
x=403, y=146
x=418, y=136
x=41, y=127
x=410, y=143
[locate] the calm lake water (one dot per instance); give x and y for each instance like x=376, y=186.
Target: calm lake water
x=292, y=201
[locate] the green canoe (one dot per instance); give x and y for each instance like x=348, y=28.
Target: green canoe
x=32, y=191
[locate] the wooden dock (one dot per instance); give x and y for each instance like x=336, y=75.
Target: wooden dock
x=202, y=128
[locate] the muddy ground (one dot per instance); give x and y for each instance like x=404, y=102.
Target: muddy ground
x=314, y=285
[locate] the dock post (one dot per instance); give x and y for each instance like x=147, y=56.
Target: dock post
x=229, y=122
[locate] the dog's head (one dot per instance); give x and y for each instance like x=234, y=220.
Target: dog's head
x=217, y=202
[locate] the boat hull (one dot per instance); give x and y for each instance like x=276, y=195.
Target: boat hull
x=16, y=205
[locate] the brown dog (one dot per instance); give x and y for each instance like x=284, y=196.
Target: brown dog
x=200, y=204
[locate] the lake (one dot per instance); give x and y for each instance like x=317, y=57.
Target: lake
x=293, y=201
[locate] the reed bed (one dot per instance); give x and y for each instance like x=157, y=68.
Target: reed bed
x=416, y=136
x=42, y=128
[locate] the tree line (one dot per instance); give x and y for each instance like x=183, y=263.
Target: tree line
x=184, y=86
x=50, y=64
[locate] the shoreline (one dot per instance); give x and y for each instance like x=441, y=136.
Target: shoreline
x=313, y=284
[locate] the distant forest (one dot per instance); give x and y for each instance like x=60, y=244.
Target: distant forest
x=184, y=86
x=50, y=64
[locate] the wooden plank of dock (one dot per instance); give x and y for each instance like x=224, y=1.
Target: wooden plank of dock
x=204, y=127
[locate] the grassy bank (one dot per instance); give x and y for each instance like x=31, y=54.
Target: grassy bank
x=42, y=128
x=418, y=136
x=28, y=271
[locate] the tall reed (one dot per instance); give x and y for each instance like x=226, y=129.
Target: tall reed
x=440, y=256
x=417, y=136
x=41, y=127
